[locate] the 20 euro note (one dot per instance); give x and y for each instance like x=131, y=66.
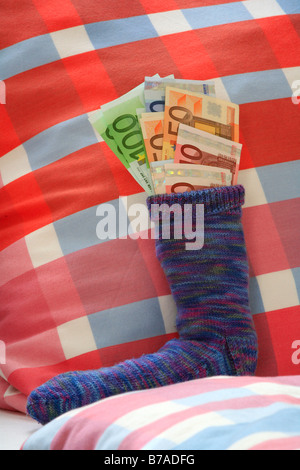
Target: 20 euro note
x=181, y=178
x=203, y=112
x=155, y=90
x=152, y=125
x=201, y=148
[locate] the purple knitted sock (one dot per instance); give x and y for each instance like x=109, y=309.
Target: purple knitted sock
x=216, y=331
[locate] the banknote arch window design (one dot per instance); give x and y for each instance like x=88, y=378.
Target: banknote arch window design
x=296, y=354
x=2, y=352
x=173, y=221
x=2, y=92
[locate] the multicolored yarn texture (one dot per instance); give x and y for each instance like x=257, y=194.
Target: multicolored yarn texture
x=214, y=322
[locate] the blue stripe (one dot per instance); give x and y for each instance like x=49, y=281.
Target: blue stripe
x=128, y=323
x=296, y=274
x=204, y=17
x=59, y=141
x=255, y=298
x=38, y=51
x=214, y=396
x=115, y=32
x=27, y=55
x=290, y=6
x=278, y=417
x=257, y=86
x=42, y=439
x=78, y=231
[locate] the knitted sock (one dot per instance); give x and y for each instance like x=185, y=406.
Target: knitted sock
x=210, y=287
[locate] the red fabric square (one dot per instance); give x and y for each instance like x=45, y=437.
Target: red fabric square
x=76, y=182
x=110, y=274
x=19, y=20
x=155, y=59
x=27, y=379
x=237, y=54
x=90, y=79
x=57, y=14
x=93, y=10
x=25, y=209
x=46, y=96
x=267, y=364
x=11, y=220
x=286, y=47
x=286, y=217
x=59, y=291
x=264, y=246
x=271, y=131
x=155, y=270
x=285, y=330
x=156, y=6
x=14, y=261
x=11, y=140
x=178, y=44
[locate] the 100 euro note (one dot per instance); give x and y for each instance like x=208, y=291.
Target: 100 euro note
x=98, y=122
x=124, y=127
x=181, y=178
x=207, y=113
x=155, y=90
x=201, y=148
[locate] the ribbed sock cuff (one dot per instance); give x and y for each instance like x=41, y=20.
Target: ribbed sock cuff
x=215, y=200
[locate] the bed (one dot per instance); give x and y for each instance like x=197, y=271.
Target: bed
x=65, y=293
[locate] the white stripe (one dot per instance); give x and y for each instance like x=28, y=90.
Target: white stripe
x=255, y=439
x=184, y=430
x=72, y=41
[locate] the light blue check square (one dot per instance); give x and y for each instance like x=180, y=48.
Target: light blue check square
x=79, y=230
x=281, y=181
x=256, y=302
x=59, y=141
x=127, y=323
x=27, y=55
x=291, y=7
x=257, y=86
x=112, y=33
x=204, y=17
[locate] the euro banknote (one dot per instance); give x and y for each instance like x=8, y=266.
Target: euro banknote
x=158, y=174
x=197, y=110
x=202, y=148
x=155, y=90
x=152, y=125
x=192, y=144
x=181, y=178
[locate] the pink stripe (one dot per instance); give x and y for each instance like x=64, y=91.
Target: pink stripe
x=288, y=443
x=139, y=438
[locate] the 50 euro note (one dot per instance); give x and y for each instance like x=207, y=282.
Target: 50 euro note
x=207, y=113
x=181, y=178
x=152, y=125
x=155, y=90
x=202, y=148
